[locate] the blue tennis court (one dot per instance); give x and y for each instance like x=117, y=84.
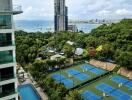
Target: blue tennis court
x=62, y=79
x=116, y=93
x=87, y=67
x=125, y=82
x=80, y=76
x=97, y=71
x=58, y=77
x=92, y=69
x=88, y=95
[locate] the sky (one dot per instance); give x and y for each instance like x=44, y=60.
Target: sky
x=77, y=9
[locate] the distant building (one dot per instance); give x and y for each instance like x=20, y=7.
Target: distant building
x=70, y=43
x=8, y=75
x=60, y=15
x=79, y=51
x=55, y=57
x=72, y=28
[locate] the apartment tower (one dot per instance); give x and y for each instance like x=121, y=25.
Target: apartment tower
x=60, y=15
x=8, y=77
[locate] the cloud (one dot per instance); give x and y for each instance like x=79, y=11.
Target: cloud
x=104, y=12
x=119, y=13
x=28, y=9
x=78, y=9
x=123, y=12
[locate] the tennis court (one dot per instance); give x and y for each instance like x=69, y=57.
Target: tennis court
x=80, y=76
x=87, y=67
x=88, y=95
x=62, y=79
x=75, y=75
x=109, y=87
x=92, y=69
x=116, y=93
x=123, y=81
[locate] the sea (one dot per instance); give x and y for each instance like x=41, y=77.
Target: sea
x=45, y=26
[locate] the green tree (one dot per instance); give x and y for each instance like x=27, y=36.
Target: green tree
x=68, y=50
x=124, y=58
x=74, y=95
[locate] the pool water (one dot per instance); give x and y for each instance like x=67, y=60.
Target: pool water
x=27, y=92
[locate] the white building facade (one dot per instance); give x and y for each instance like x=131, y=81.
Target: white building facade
x=8, y=77
x=72, y=28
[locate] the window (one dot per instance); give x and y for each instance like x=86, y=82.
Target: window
x=6, y=57
x=5, y=39
x=6, y=73
x=5, y=22
x=8, y=88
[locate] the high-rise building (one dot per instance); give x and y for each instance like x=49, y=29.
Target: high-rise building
x=8, y=77
x=72, y=28
x=61, y=15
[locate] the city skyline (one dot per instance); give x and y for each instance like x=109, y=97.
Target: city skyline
x=86, y=9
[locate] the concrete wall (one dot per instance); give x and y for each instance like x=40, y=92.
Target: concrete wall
x=62, y=23
x=62, y=7
x=5, y=5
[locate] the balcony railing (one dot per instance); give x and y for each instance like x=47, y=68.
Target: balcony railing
x=7, y=77
x=7, y=93
x=17, y=8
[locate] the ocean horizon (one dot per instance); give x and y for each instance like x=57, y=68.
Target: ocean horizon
x=48, y=25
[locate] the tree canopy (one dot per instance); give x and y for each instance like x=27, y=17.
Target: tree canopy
x=115, y=39
x=105, y=42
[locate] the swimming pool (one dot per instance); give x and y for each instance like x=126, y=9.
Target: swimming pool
x=27, y=92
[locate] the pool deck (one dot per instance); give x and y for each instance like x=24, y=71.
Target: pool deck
x=30, y=80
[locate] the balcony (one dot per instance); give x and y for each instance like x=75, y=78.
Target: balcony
x=17, y=9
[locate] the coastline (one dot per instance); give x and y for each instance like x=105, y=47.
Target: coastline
x=45, y=26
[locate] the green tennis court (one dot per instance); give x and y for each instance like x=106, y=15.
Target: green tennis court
x=112, y=90
x=76, y=74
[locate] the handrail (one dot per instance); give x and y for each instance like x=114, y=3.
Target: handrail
x=11, y=9
x=17, y=8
